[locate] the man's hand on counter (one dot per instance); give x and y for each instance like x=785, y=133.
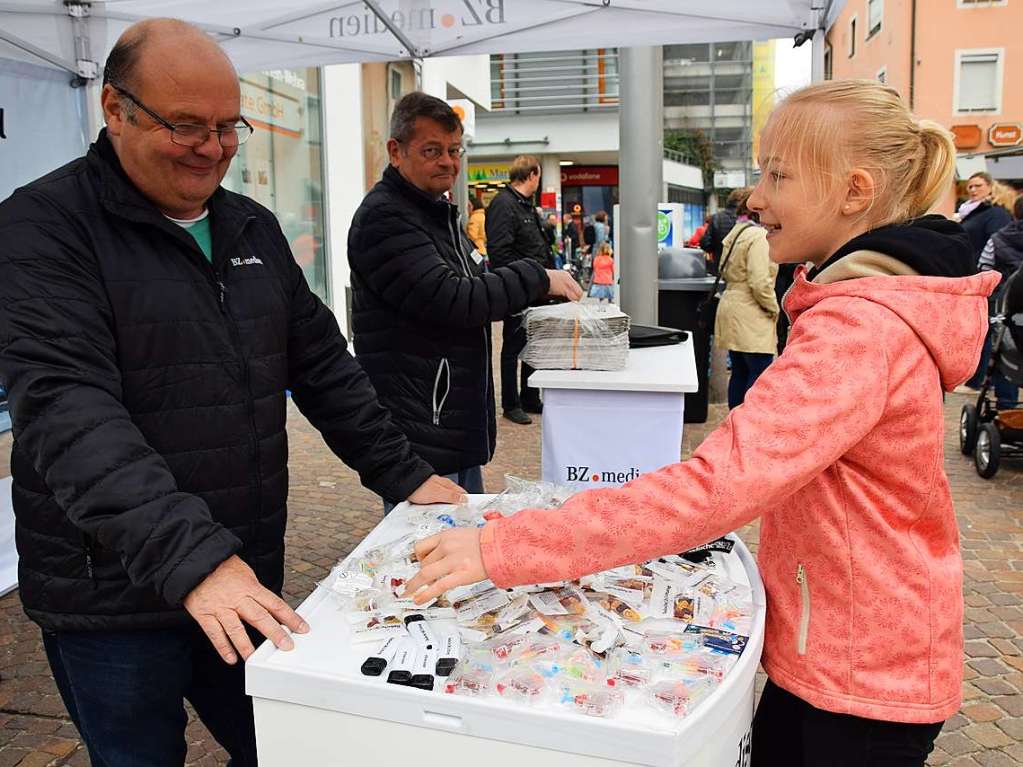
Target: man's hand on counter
x=563, y=285
x=232, y=594
x=448, y=559
x=437, y=489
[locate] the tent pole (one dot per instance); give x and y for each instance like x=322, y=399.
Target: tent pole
x=640, y=159
x=400, y=36
x=38, y=52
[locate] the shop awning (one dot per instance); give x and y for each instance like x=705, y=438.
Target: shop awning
x=268, y=34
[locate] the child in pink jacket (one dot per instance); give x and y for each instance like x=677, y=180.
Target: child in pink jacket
x=838, y=447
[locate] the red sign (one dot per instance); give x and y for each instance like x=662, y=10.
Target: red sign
x=548, y=199
x=967, y=136
x=1005, y=134
x=589, y=175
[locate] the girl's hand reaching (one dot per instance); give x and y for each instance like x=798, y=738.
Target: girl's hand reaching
x=447, y=560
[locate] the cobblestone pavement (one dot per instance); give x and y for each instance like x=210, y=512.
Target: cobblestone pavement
x=331, y=513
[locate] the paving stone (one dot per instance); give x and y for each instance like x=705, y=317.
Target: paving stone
x=994, y=686
x=956, y=743
x=980, y=649
x=995, y=759
x=987, y=735
x=1012, y=726
x=954, y=722
x=1010, y=704
x=982, y=712
x=987, y=666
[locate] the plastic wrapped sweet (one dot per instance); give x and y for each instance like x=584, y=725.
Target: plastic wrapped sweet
x=695, y=664
x=680, y=697
x=470, y=681
x=524, y=494
x=630, y=668
x=673, y=645
x=591, y=699
x=522, y=685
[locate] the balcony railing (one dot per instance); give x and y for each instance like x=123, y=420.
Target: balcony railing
x=569, y=81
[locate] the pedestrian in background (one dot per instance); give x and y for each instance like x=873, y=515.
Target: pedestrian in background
x=515, y=233
x=476, y=227
x=603, y=273
x=550, y=228
x=601, y=230
x=746, y=322
x=981, y=217
x=720, y=225
x=694, y=241
x=1004, y=254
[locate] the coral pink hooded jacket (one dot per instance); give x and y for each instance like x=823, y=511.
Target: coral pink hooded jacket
x=839, y=448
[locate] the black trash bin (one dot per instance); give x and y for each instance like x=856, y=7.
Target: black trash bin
x=682, y=285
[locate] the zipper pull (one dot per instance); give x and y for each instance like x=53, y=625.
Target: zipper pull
x=800, y=574
x=223, y=291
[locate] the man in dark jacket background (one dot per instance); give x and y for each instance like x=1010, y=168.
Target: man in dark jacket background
x=516, y=233
x=150, y=322
x=721, y=223
x=422, y=301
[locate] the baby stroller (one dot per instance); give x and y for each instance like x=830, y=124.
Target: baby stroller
x=985, y=430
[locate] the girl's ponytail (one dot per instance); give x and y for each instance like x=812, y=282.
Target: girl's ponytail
x=936, y=167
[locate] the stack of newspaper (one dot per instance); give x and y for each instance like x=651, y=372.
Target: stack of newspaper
x=576, y=336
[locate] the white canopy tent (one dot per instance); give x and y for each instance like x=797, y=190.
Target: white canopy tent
x=76, y=36
x=266, y=34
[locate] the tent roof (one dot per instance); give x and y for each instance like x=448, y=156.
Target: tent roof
x=261, y=34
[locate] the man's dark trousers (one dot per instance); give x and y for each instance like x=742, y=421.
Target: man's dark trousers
x=514, y=341
x=124, y=691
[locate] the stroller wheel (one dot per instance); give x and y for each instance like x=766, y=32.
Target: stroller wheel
x=988, y=452
x=967, y=429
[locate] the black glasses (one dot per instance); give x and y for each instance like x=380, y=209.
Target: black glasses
x=191, y=135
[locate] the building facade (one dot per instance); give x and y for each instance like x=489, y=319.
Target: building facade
x=563, y=108
x=958, y=62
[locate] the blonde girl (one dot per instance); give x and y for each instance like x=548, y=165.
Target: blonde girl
x=838, y=447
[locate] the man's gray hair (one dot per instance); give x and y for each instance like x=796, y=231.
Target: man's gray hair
x=418, y=104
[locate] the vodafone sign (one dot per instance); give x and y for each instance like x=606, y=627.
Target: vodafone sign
x=1005, y=134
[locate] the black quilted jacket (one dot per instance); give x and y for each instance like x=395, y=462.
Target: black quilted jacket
x=421, y=313
x=147, y=393
x=514, y=230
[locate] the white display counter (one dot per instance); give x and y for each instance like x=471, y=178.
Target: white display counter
x=604, y=428
x=313, y=706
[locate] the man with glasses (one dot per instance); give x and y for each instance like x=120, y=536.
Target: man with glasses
x=423, y=302
x=150, y=322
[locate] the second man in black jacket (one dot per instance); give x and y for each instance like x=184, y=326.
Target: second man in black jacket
x=515, y=234
x=423, y=302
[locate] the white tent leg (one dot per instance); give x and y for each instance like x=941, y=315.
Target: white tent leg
x=93, y=109
x=640, y=159
x=817, y=57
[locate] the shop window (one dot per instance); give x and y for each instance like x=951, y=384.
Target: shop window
x=694, y=52
x=852, y=36
x=828, y=70
x=281, y=166
x=875, y=15
x=978, y=84
x=882, y=75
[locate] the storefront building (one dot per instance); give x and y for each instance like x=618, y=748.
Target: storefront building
x=281, y=166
